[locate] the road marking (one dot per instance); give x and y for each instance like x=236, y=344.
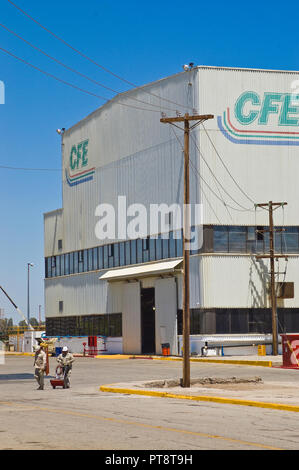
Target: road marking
x=227, y=401
x=143, y=425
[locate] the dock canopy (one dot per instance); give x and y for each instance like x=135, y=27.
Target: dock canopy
x=142, y=270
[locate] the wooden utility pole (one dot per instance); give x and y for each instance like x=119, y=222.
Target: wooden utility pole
x=272, y=257
x=186, y=235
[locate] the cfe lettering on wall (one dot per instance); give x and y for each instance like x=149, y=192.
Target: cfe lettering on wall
x=79, y=169
x=268, y=119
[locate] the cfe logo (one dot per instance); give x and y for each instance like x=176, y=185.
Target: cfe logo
x=78, y=161
x=262, y=118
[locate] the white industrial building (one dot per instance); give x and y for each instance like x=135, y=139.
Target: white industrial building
x=130, y=289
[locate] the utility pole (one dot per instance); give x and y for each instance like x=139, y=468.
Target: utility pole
x=270, y=205
x=186, y=234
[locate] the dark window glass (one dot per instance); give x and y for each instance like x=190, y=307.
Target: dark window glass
x=60, y=306
x=128, y=252
x=122, y=254
x=165, y=248
x=67, y=264
x=116, y=254
x=49, y=267
x=110, y=250
x=133, y=252
x=251, y=240
x=53, y=263
x=80, y=257
x=145, y=249
x=106, y=263
x=95, y=258
x=179, y=245
x=85, y=261
x=237, y=239
x=72, y=267
x=139, y=251
x=152, y=249
x=90, y=260
x=101, y=257
x=290, y=241
x=76, y=263
x=260, y=233
x=220, y=239
x=278, y=240
x=62, y=271
x=114, y=325
x=158, y=248
x=172, y=246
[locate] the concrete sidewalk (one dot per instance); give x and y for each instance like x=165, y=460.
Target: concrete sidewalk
x=265, y=394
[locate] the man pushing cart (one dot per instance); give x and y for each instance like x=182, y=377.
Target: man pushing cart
x=65, y=360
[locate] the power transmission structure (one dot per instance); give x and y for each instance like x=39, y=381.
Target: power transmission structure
x=271, y=206
x=186, y=119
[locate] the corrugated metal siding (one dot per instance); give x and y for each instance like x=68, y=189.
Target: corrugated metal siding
x=53, y=231
x=82, y=294
x=241, y=281
x=265, y=172
x=134, y=154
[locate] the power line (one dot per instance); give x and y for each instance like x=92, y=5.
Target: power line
x=91, y=60
x=76, y=71
x=2, y=167
x=215, y=177
x=225, y=166
x=48, y=74
x=206, y=198
x=220, y=199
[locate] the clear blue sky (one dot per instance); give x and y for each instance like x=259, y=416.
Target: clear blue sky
x=141, y=41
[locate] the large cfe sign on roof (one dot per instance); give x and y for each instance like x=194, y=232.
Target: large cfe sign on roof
x=268, y=119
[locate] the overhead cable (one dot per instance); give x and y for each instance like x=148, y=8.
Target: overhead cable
x=76, y=71
x=91, y=60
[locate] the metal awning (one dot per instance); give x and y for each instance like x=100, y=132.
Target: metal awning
x=142, y=270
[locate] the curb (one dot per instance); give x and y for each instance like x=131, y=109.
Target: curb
x=179, y=359
x=226, y=401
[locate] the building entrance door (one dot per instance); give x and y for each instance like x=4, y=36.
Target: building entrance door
x=148, y=321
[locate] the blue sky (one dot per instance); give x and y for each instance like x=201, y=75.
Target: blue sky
x=140, y=41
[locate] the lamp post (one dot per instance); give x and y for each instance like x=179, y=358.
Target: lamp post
x=28, y=292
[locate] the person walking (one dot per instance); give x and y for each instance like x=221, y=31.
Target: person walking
x=40, y=364
x=66, y=359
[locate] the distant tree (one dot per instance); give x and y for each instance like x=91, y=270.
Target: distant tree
x=10, y=322
x=33, y=321
x=4, y=327
x=22, y=323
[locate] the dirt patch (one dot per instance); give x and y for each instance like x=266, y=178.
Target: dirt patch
x=231, y=383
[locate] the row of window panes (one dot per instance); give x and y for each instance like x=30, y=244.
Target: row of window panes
x=243, y=320
x=115, y=255
x=85, y=325
x=234, y=239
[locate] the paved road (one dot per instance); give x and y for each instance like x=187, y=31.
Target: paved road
x=84, y=418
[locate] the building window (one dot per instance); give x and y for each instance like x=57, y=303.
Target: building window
x=85, y=325
x=59, y=244
x=60, y=306
x=220, y=239
x=237, y=239
x=110, y=251
x=133, y=251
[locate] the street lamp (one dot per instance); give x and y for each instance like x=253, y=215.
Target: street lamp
x=28, y=302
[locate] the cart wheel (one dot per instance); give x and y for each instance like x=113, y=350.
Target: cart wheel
x=53, y=386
